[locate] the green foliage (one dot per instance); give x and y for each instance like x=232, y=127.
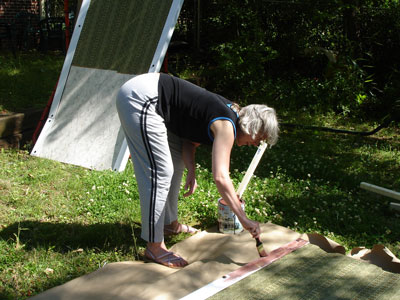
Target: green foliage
x=339, y=56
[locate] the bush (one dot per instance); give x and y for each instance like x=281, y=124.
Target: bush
x=336, y=56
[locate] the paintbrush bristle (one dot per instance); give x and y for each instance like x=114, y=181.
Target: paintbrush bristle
x=260, y=248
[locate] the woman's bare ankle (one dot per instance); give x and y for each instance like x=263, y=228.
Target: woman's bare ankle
x=157, y=248
x=173, y=225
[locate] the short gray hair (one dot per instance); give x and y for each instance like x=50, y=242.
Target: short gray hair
x=259, y=119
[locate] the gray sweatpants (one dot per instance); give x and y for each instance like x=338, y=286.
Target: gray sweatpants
x=156, y=154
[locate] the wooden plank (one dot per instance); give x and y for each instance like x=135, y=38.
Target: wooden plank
x=11, y=124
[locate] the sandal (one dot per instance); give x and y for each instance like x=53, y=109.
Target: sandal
x=181, y=228
x=168, y=259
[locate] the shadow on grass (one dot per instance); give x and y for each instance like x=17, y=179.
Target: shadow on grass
x=62, y=238
x=105, y=239
x=65, y=237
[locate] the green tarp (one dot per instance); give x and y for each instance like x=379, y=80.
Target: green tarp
x=121, y=35
x=311, y=273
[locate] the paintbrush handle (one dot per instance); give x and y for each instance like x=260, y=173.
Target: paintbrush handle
x=251, y=168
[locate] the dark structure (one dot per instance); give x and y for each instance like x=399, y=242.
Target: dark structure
x=36, y=24
x=18, y=24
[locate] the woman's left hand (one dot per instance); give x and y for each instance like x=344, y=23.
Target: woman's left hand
x=188, y=153
x=191, y=183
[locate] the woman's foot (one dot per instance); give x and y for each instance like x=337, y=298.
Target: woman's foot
x=165, y=258
x=177, y=228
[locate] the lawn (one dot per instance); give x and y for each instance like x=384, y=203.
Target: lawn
x=27, y=81
x=59, y=221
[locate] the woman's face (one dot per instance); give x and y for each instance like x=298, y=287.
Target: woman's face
x=243, y=139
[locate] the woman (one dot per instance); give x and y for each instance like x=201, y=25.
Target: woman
x=164, y=119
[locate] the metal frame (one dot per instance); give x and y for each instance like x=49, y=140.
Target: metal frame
x=384, y=192
x=63, y=77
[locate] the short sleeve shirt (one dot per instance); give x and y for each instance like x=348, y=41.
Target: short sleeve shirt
x=189, y=110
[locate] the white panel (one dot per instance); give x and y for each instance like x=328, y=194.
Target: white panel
x=86, y=129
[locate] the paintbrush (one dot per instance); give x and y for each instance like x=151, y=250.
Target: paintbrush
x=245, y=181
x=260, y=248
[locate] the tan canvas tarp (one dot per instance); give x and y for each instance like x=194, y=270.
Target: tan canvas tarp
x=211, y=255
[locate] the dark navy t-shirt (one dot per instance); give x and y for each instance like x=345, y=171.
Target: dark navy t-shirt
x=189, y=110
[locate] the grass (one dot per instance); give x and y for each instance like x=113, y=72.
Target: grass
x=59, y=221
x=27, y=81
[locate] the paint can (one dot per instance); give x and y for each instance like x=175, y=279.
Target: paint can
x=227, y=220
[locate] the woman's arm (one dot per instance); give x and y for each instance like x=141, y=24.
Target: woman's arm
x=188, y=156
x=221, y=153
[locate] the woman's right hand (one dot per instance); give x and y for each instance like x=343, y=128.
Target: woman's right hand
x=252, y=226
